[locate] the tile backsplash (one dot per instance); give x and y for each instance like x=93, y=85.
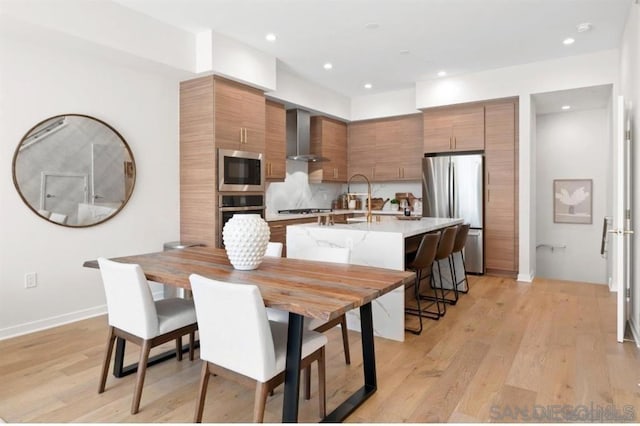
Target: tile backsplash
x=296, y=191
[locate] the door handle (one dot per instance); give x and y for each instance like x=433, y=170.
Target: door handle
x=620, y=231
x=51, y=196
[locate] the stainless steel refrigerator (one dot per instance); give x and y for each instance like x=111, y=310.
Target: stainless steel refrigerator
x=453, y=186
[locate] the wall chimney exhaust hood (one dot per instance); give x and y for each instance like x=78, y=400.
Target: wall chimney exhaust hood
x=299, y=136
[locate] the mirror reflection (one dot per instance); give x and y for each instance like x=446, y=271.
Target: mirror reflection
x=74, y=170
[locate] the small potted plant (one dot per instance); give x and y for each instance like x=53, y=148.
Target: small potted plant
x=394, y=204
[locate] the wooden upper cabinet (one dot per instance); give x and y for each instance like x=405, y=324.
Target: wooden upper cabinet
x=276, y=142
x=388, y=149
x=239, y=116
x=459, y=128
x=399, y=148
x=362, y=148
x=328, y=140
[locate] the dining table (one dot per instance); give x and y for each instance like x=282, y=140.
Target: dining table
x=303, y=288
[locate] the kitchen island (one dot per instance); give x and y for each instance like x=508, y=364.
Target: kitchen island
x=380, y=244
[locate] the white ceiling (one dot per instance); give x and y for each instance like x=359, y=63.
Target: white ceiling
x=458, y=36
x=578, y=99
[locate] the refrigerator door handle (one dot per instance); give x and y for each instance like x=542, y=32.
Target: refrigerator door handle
x=449, y=187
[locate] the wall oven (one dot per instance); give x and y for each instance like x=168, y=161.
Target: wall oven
x=237, y=204
x=240, y=171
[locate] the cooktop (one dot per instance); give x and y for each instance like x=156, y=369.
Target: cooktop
x=304, y=211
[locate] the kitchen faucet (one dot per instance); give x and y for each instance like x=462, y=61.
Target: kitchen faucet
x=369, y=215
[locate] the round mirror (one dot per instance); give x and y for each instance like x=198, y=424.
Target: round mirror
x=74, y=170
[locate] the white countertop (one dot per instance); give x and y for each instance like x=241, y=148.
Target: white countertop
x=407, y=228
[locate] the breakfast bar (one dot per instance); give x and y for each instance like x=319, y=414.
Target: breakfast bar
x=381, y=244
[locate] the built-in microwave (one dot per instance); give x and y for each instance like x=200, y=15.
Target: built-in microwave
x=240, y=171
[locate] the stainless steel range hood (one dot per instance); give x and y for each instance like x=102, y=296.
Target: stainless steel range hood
x=299, y=136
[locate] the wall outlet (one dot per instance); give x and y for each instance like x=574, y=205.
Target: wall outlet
x=30, y=280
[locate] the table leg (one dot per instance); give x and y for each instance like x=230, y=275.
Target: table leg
x=369, y=369
x=292, y=369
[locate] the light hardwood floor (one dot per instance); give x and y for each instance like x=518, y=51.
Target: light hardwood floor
x=506, y=349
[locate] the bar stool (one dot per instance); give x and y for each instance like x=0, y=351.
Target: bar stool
x=458, y=246
x=445, y=248
x=422, y=265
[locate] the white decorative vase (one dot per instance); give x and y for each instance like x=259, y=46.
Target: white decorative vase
x=245, y=239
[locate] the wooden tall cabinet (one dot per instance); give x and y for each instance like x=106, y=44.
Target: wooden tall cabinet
x=459, y=128
x=388, y=149
x=328, y=140
x=214, y=113
x=501, y=186
x=276, y=142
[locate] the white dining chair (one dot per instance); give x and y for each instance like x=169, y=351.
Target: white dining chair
x=320, y=254
x=134, y=315
x=253, y=348
x=274, y=249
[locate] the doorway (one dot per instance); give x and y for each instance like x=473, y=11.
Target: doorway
x=574, y=181
x=62, y=192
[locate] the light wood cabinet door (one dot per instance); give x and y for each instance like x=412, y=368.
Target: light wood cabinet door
x=328, y=140
x=239, y=116
x=459, y=128
x=276, y=142
x=362, y=148
x=501, y=208
x=388, y=149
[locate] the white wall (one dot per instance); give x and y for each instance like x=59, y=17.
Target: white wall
x=43, y=79
x=388, y=104
x=630, y=88
x=523, y=81
x=243, y=63
x=296, y=90
x=572, y=145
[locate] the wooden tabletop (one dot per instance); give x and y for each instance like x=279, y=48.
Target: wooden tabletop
x=314, y=289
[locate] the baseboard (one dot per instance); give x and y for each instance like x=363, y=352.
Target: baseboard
x=46, y=323
x=56, y=321
x=527, y=278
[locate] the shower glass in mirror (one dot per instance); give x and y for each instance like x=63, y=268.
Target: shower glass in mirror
x=74, y=170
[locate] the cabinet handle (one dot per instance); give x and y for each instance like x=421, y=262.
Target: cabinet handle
x=488, y=196
x=455, y=143
x=488, y=178
x=245, y=135
x=450, y=142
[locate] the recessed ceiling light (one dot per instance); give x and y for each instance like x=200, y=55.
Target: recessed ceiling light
x=568, y=41
x=566, y=107
x=328, y=66
x=404, y=52
x=368, y=86
x=372, y=26
x=442, y=73
x=270, y=37
x=585, y=26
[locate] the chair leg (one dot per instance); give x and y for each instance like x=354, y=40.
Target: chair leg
x=192, y=338
x=107, y=359
x=322, y=390
x=454, y=279
x=202, y=392
x=307, y=383
x=345, y=339
x=262, y=390
x=179, y=348
x=466, y=281
x=142, y=370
